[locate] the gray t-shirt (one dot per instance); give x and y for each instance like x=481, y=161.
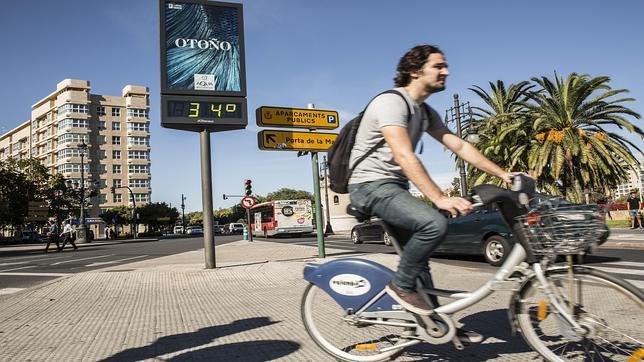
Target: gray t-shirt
x=388, y=110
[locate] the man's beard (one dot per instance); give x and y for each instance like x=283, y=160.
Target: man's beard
x=435, y=88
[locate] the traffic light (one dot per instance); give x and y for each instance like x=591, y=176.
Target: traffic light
x=248, y=187
x=112, y=190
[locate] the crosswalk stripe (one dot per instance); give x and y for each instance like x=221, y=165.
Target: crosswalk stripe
x=5, y=291
x=36, y=274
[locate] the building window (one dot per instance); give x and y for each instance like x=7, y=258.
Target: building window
x=136, y=112
x=102, y=198
x=139, y=183
x=72, y=167
x=138, y=127
x=138, y=155
x=118, y=198
x=116, y=126
x=116, y=168
x=336, y=200
x=68, y=152
x=116, y=154
x=138, y=169
x=142, y=197
x=116, y=112
x=72, y=123
x=138, y=140
x=116, y=140
x=101, y=125
x=72, y=107
x=73, y=138
x=100, y=111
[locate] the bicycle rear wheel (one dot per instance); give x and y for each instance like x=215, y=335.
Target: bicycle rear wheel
x=610, y=310
x=331, y=329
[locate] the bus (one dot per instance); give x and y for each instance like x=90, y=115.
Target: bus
x=281, y=217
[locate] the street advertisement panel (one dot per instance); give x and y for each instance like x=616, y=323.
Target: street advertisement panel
x=202, y=48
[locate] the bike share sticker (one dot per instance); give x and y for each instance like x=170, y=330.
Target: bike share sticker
x=349, y=284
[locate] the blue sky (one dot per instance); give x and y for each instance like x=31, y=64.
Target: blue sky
x=336, y=54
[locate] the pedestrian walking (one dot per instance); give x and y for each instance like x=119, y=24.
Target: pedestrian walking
x=52, y=235
x=68, y=236
x=634, y=204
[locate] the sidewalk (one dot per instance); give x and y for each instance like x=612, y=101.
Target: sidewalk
x=248, y=309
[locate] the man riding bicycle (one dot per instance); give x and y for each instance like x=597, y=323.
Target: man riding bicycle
x=379, y=184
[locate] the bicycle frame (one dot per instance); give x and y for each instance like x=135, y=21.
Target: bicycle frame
x=466, y=299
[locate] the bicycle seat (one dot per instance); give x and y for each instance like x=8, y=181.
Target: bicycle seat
x=351, y=210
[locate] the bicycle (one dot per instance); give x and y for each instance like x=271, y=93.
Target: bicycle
x=564, y=312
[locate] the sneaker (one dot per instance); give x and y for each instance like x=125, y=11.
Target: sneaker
x=411, y=301
x=466, y=336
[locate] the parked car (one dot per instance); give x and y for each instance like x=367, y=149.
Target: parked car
x=194, y=230
x=178, y=229
x=481, y=232
x=218, y=229
x=236, y=228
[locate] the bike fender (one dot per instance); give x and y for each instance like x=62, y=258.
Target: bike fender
x=352, y=282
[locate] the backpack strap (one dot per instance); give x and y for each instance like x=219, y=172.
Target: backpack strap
x=382, y=141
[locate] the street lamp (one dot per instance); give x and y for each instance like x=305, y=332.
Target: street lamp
x=183, y=213
x=454, y=115
x=81, y=233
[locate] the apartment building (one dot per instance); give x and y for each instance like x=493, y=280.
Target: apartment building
x=115, y=128
x=635, y=181
x=16, y=143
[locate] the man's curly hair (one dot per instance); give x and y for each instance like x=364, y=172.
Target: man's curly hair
x=412, y=61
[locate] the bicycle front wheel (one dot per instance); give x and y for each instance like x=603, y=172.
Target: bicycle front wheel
x=343, y=337
x=610, y=311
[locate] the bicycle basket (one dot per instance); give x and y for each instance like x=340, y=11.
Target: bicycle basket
x=553, y=227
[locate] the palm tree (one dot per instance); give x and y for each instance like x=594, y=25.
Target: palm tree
x=574, y=147
x=503, y=127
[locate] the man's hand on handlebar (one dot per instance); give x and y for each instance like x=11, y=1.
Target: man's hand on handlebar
x=454, y=205
x=508, y=177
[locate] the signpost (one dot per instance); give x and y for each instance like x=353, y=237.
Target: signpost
x=297, y=118
x=247, y=202
x=37, y=211
x=313, y=141
x=295, y=141
x=203, y=80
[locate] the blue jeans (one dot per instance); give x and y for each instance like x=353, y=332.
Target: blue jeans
x=417, y=227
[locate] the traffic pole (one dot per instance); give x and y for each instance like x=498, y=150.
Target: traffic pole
x=250, y=231
x=318, y=204
x=206, y=200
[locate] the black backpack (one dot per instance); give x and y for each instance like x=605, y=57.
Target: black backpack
x=340, y=152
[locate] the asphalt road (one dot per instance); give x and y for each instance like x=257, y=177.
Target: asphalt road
x=21, y=268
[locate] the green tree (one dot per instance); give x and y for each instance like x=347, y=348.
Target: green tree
x=157, y=214
x=289, y=194
x=503, y=126
x=573, y=148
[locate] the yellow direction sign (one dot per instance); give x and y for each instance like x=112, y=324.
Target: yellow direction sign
x=297, y=118
x=295, y=141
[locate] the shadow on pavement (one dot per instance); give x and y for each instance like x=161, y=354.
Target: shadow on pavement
x=255, y=351
x=497, y=340
x=180, y=342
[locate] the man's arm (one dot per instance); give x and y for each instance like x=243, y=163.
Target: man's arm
x=469, y=153
x=398, y=140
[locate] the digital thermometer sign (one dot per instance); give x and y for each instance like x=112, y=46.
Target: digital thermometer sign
x=209, y=113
